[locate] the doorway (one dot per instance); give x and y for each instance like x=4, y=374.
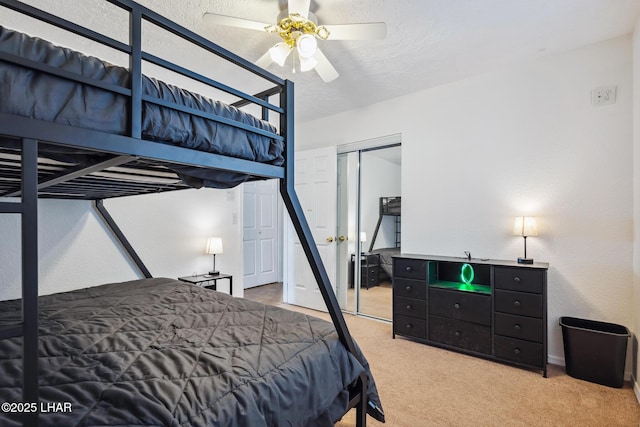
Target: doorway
x=262, y=256
x=369, y=224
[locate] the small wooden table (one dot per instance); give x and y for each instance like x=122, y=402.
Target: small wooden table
x=201, y=279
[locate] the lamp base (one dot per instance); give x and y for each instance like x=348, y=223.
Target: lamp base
x=214, y=273
x=525, y=260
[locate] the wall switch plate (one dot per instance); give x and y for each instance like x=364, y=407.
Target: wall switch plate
x=603, y=95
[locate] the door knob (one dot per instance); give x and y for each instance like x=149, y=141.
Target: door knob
x=342, y=238
x=330, y=239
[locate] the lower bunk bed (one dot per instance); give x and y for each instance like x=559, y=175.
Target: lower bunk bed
x=160, y=352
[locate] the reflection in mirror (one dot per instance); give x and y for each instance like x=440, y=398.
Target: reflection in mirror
x=347, y=207
x=380, y=219
x=368, y=183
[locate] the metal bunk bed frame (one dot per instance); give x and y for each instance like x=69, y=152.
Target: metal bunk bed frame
x=31, y=131
x=383, y=211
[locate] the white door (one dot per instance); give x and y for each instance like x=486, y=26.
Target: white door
x=315, y=184
x=260, y=234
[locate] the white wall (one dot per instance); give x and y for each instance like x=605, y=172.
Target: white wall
x=524, y=140
x=168, y=231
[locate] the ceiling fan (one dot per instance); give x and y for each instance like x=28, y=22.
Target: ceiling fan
x=299, y=30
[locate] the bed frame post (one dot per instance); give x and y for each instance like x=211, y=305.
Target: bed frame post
x=292, y=203
x=135, y=65
x=30, y=393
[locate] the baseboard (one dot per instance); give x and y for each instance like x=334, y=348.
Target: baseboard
x=555, y=360
x=559, y=361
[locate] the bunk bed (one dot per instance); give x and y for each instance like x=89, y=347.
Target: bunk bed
x=154, y=351
x=388, y=207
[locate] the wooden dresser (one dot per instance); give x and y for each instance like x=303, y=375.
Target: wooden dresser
x=490, y=308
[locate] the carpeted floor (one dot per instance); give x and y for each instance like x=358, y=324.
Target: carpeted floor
x=421, y=385
x=375, y=301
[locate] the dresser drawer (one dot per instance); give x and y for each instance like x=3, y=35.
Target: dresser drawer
x=409, y=288
x=403, y=325
x=465, y=306
x=526, y=328
x=519, y=279
x=410, y=307
x=518, y=303
x=515, y=350
x=464, y=335
x=410, y=268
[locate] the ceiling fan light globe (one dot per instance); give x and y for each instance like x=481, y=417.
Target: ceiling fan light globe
x=306, y=45
x=307, y=64
x=279, y=53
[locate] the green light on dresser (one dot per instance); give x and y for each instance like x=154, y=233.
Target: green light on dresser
x=466, y=274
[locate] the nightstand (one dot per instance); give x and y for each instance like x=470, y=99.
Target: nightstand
x=369, y=270
x=203, y=279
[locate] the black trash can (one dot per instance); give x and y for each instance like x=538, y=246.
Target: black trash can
x=595, y=351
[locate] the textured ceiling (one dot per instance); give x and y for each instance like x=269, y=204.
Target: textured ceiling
x=428, y=43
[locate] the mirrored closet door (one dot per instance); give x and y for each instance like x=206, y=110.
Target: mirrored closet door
x=369, y=232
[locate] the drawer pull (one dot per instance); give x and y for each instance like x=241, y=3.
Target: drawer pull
x=516, y=279
x=516, y=327
x=516, y=303
x=457, y=333
x=516, y=351
x=409, y=307
x=408, y=288
x=409, y=326
x=408, y=268
x=456, y=305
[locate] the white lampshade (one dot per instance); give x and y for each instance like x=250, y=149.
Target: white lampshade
x=214, y=246
x=363, y=236
x=306, y=45
x=525, y=226
x=279, y=53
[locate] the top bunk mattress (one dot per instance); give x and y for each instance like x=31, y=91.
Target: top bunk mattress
x=38, y=95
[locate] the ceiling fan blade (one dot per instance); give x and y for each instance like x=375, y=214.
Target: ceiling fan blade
x=265, y=60
x=324, y=68
x=300, y=6
x=232, y=21
x=365, y=31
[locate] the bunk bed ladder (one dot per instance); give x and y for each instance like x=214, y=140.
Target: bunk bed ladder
x=296, y=214
x=27, y=208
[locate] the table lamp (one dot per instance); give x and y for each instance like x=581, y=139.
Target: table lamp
x=525, y=226
x=214, y=246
